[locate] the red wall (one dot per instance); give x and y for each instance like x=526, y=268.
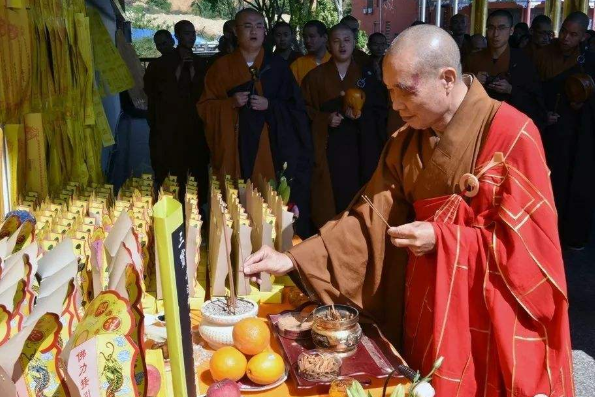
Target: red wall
x=397, y=15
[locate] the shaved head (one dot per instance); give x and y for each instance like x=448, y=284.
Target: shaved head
x=245, y=12
x=340, y=27
x=580, y=18
x=430, y=47
x=422, y=71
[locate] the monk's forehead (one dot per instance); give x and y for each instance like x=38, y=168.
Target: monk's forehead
x=250, y=17
x=341, y=32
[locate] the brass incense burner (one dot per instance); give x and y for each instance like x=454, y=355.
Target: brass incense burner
x=336, y=329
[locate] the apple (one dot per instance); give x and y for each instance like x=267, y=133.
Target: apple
x=153, y=381
x=224, y=388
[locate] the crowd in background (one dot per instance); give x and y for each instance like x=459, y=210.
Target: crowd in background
x=548, y=78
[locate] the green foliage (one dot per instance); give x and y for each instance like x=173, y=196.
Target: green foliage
x=326, y=12
x=163, y=5
x=223, y=9
x=145, y=48
x=362, y=40
x=139, y=18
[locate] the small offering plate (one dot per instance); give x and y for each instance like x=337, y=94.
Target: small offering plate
x=373, y=357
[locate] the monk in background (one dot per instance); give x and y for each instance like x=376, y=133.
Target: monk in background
x=541, y=35
x=485, y=285
x=568, y=138
x=284, y=39
x=347, y=144
x=173, y=84
x=507, y=73
x=359, y=56
x=315, y=36
x=458, y=30
x=255, y=118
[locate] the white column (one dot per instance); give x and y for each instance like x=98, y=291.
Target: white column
x=422, y=17
x=438, y=12
x=455, y=7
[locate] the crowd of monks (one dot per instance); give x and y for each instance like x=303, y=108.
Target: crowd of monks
x=260, y=103
x=475, y=157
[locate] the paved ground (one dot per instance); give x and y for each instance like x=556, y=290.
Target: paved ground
x=580, y=271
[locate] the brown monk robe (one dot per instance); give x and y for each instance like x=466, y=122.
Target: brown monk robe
x=507, y=73
x=351, y=260
x=173, y=84
x=571, y=125
x=255, y=118
x=345, y=154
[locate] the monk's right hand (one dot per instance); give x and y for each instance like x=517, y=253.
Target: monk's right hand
x=240, y=99
x=269, y=261
x=334, y=119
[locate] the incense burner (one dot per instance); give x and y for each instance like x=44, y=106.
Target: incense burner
x=340, y=336
x=217, y=323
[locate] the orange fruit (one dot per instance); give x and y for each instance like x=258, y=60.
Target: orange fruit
x=228, y=362
x=265, y=368
x=251, y=336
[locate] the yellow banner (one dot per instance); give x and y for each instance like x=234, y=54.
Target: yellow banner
x=37, y=180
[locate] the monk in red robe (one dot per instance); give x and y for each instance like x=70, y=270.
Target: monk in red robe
x=254, y=115
x=466, y=188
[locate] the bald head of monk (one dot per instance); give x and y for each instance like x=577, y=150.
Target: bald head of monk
x=186, y=34
x=341, y=42
x=573, y=31
x=422, y=71
x=249, y=29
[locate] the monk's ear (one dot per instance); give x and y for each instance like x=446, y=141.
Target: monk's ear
x=449, y=78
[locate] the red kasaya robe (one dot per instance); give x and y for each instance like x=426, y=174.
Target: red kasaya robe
x=492, y=297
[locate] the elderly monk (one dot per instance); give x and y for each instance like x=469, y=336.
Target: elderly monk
x=254, y=115
x=541, y=35
x=485, y=285
x=507, y=73
x=347, y=143
x=567, y=140
x=315, y=37
x=173, y=83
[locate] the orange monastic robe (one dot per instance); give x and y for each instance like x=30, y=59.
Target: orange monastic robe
x=303, y=65
x=221, y=119
x=492, y=298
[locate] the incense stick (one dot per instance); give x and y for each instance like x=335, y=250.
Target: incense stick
x=369, y=202
x=232, y=290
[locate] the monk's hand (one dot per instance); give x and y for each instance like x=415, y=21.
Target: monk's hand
x=269, y=261
x=258, y=102
x=240, y=99
x=418, y=237
x=349, y=114
x=502, y=86
x=482, y=77
x=334, y=119
x=552, y=118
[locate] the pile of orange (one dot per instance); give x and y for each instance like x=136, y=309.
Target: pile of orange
x=251, y=337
